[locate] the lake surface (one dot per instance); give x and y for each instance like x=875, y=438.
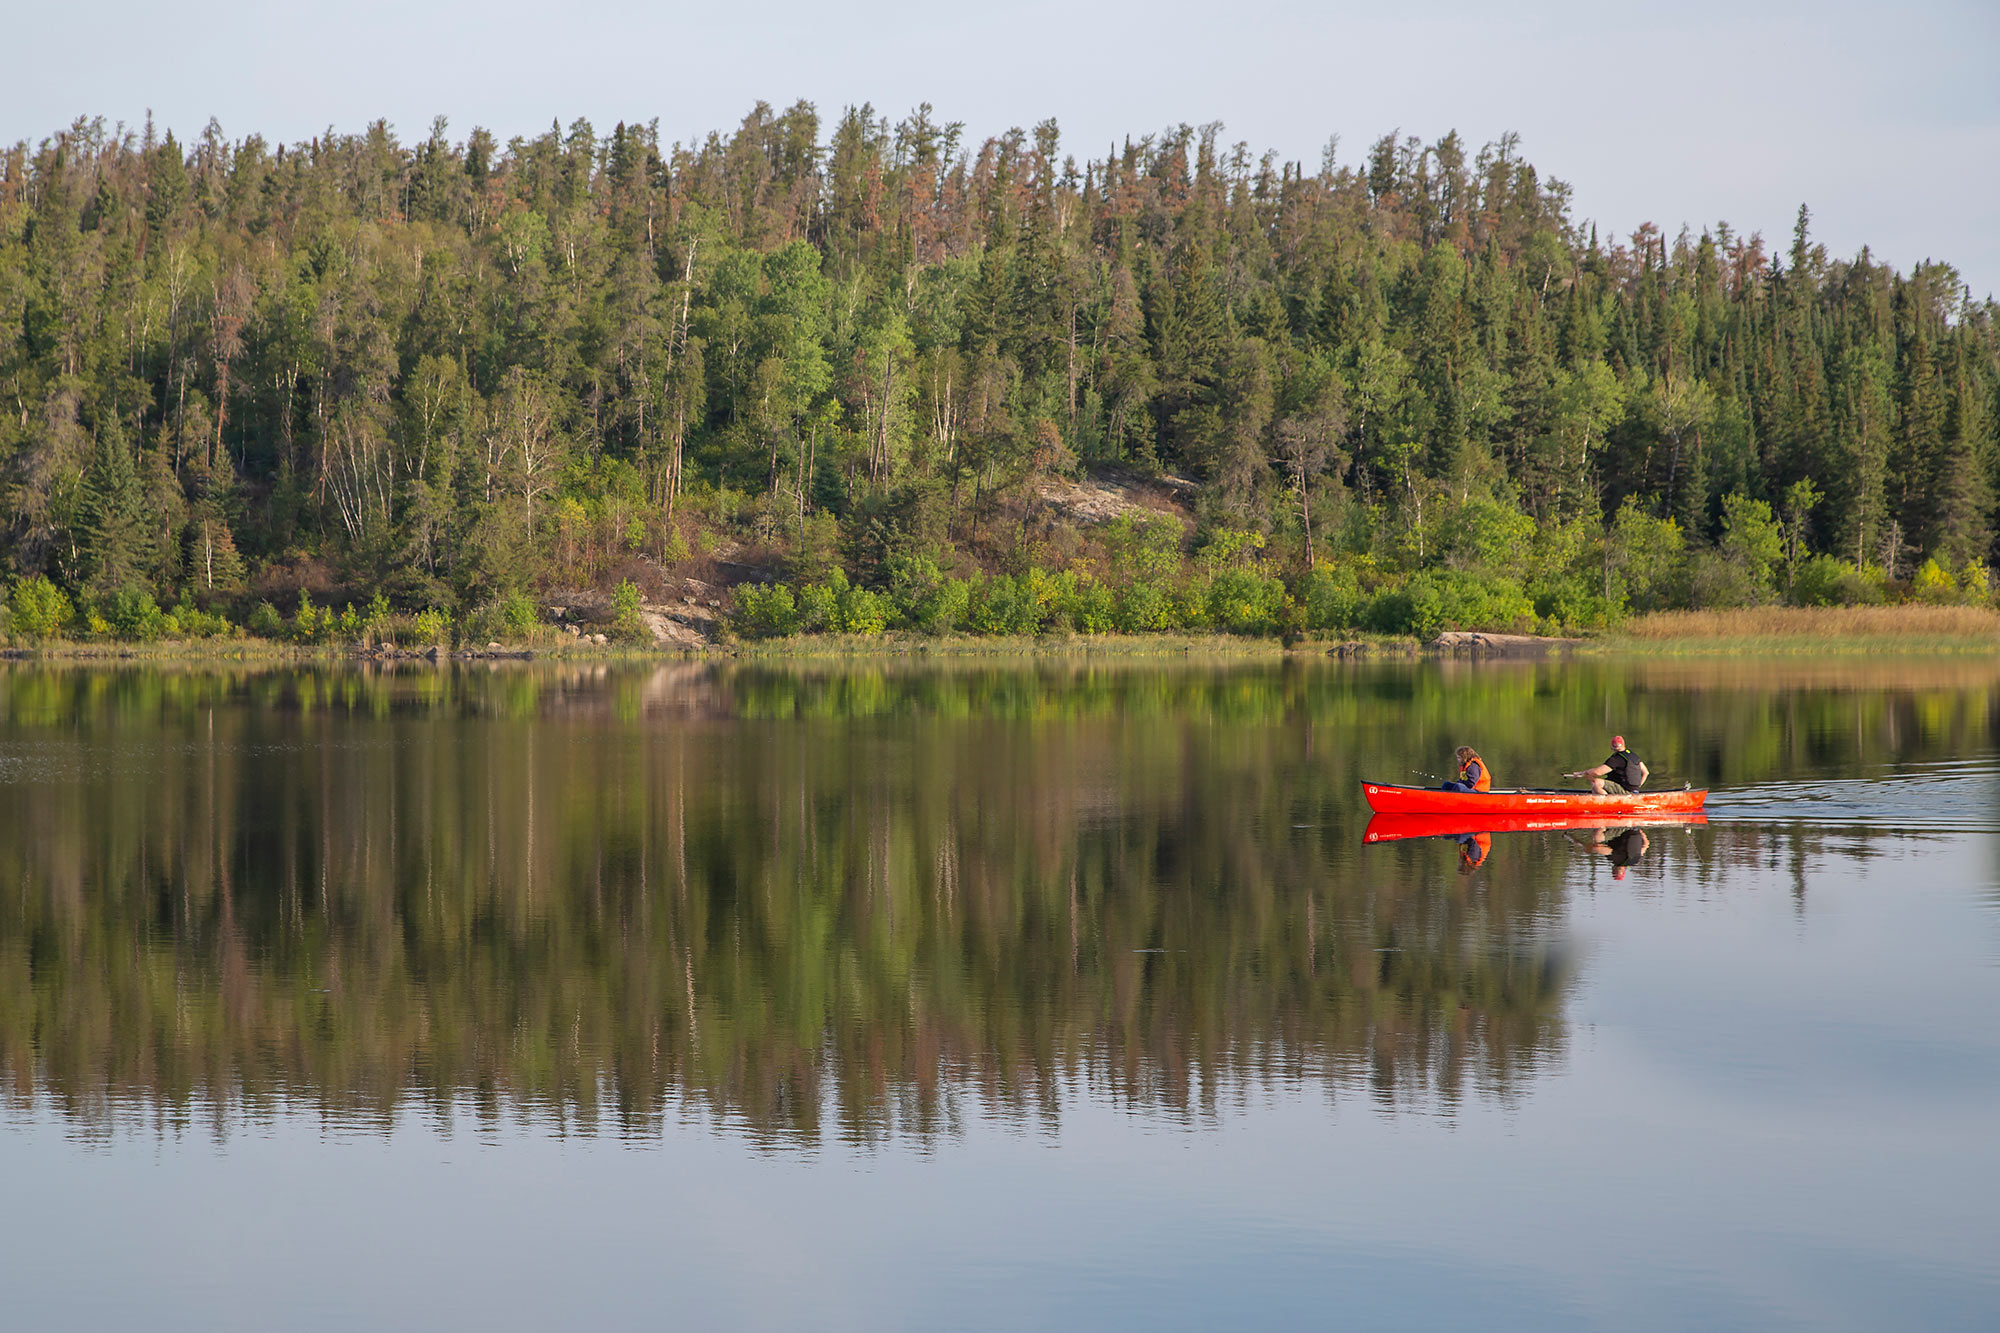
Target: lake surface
x=972, y=997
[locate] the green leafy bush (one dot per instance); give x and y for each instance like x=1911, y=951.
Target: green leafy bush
x=1243, y=601
x=41, y=609
x=862, y=611
x=943, y=609
x=519, y=613
x=1332, y=598
x=819, y=604
x=1933, y=583
x=196, y=623
x=626, y=622
x=1436, y=600
x=1003, y=605
x=1089, y=607
x=925, y=597
x=1824, y=580
x=309, y=622
x=431, y=626
x=1567, y=604
x=766, y=611
x=1716, y=582
x=1191, y=609
x=1144, y=608
x=133, y=614
x=265, y=622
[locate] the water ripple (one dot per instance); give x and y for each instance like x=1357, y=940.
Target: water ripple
x=1948, y=797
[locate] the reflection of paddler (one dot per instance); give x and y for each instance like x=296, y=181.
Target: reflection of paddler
x=1623, y=847
x=1472, y=851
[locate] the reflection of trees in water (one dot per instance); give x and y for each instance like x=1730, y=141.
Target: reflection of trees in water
x=813, y=902
x=365, y=893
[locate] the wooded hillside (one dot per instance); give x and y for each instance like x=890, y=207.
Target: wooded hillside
x=1407, y=388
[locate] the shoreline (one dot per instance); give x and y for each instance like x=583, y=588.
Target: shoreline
x=1162, y=647
x=1908, y=630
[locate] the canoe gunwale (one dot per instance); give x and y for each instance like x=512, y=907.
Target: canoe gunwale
x=1394, y=798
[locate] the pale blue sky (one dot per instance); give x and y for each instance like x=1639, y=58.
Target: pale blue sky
x=1884, y=118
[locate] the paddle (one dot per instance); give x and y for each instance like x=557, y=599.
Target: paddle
x=1654, y=782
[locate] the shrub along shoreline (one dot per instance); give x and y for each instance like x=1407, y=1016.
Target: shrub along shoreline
x=1903, y=631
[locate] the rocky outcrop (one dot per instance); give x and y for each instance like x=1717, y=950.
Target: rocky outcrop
x=1478, y=643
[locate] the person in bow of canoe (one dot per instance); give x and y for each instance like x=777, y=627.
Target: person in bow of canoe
x=1622, y=772
x=1472, y=774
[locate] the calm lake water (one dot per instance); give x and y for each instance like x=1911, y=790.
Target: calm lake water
x=1057, y=995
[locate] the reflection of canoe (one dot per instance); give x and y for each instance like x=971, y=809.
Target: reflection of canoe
x=1386, y=799
x=1394, y=828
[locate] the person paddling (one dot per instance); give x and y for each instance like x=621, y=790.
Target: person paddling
x=1623, y=768
x=1623, y=847
x=1472, y=774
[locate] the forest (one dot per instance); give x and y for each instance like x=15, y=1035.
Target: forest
x=856, y=373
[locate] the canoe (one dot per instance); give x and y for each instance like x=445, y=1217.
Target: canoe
x=1395, y=828
x=1388, y=799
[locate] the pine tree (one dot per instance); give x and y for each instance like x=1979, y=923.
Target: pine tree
x=118, y=530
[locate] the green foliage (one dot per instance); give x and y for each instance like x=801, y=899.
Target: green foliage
x=860, y=610
x=1244, y=601
x=626, y=622
x=195, y=623
x=766, y=611
x=836, y=355
x=925, y=597
x=1143, y=548
x=265, y=622
x=1227, y=548
x=41, y=610
x=1642, y=558
x=132, y=614
x=819, y=607
x=1437, y=600
x=1933, y=583
x=1146, y=607
x=1752, y=540
x=1004, y=605
x=1488, y=537
x=309, y=622
x=1825, y=580
x=1088, y=607
x=1332, y=598
x=431, y=626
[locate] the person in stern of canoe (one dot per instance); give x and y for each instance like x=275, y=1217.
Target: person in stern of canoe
x=1624, y=847
x=1472, y=774
x=1625, y=769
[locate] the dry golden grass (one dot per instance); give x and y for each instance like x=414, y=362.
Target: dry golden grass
x=1907, y=628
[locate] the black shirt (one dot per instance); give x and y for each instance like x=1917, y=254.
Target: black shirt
x=1624, y=769
x=1627, y=847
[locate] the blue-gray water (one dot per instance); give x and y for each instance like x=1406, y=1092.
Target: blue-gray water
x=991, y=998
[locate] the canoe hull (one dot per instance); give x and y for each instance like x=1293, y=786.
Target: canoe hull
x=1395, y=828
x=1387, y=799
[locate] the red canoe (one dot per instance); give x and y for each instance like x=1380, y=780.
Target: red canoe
x=1395, y=828
x=1385, y=799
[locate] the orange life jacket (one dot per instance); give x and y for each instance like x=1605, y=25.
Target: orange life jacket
x=1484, y=782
